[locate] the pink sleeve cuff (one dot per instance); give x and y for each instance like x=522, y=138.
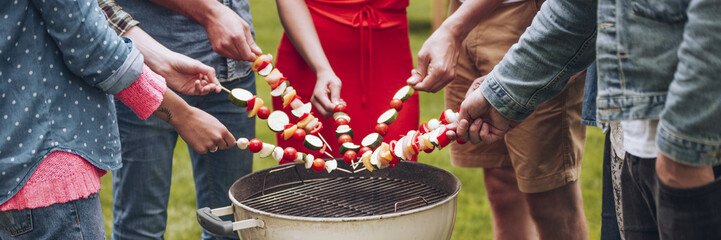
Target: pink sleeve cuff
x=145, y=94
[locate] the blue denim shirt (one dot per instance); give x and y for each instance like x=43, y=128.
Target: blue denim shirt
x=187, y=36
x=59, y=63
x=656, y=60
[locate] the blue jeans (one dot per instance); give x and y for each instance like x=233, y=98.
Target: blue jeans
x=77, y=219
x=141, y=188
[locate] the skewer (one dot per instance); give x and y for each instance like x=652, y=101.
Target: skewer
x=225, y=89
x=324, y=142
x=359, y=170
x=344, y=170
x=328, y=154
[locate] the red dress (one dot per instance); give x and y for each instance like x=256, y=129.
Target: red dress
x=366, y=43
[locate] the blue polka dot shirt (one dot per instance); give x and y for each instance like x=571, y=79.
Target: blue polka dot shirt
x=59, y=64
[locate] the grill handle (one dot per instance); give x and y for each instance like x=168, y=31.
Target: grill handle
x=210, y=220
x=395, y=206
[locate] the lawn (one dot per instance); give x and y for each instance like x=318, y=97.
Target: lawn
x=473, y=218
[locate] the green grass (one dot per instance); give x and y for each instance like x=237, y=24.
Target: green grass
x=473, y=220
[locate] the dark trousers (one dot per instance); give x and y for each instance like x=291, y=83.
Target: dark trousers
x=653, y=210
x=609, y=224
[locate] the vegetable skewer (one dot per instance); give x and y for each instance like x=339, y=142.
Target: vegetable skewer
x=374, y=153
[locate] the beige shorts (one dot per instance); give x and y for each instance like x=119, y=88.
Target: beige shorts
x=545, y=150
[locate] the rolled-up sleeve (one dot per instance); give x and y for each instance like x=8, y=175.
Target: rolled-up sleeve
x=559, y=43
x=90, y=48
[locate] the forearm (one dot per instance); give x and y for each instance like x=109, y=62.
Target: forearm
x=467, y=16
x=559, y=43
x=125, y=25
x=202, y=11
x=171, y=108
x=156, y=55
x=299, y=27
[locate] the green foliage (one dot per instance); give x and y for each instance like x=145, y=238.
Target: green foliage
x=473, y=220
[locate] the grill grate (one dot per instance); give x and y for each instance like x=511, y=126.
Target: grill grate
x=346, y=197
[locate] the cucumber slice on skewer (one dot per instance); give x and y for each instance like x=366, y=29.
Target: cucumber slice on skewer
x=372, y=140
x=343, y=129
x=312, y=143
x=343, y=115
x=298, y=112
x=239, y=97
x=388, y=116
x=277, y=121
x=404, y=93
x=338, y=114
x=348, y=146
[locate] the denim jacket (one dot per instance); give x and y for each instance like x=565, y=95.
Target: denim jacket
x=656, y=60
x=59, y=63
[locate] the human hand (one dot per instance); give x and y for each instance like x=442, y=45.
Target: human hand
x=436, y=62
x=230, y=35
x=326, y=93
x=478, y=120
x=188, y=76
x=203, y=132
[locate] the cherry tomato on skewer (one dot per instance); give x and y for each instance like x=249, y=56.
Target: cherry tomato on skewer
x=339, y=107
x=318, y=164
x=382, y=129
x=299, y=134
x=255, y=145
x=263, y=112
x=396, y=104
x=344, y=138
x=341, y=121
x=363, y=150
x=349, y=156
x=289, y=154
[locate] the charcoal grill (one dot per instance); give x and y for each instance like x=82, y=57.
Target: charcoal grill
x=410, y=201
